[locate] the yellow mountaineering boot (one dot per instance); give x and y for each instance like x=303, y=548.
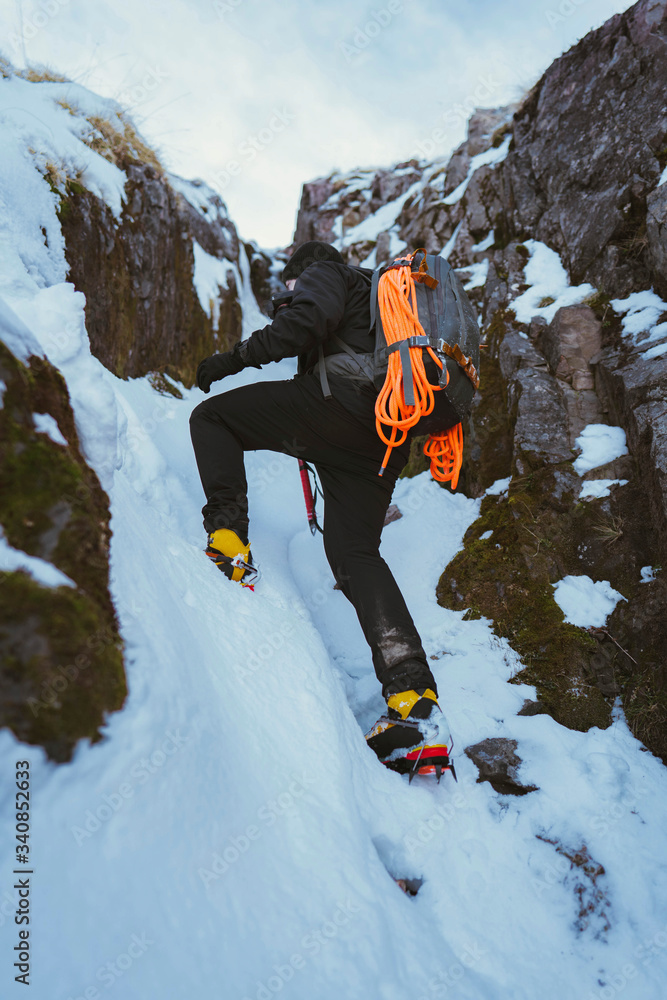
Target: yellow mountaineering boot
x=413, y=737
x=232, y=556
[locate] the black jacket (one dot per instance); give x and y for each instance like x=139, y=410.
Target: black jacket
x=328, y=298
x=335, y=298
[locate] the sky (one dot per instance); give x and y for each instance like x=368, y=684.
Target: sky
x=257, y=97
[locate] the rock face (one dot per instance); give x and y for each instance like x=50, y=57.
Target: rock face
x=575, y=168
x=589, y=148
x=143, y=312
x=61, y=662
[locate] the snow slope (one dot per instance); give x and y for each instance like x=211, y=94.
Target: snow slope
x=231, y=836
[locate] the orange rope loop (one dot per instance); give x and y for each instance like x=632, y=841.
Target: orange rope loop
x=446, y=454
x=398, y=310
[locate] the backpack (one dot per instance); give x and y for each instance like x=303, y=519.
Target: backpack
x=419, y=313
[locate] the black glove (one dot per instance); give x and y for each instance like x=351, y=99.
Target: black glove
x=216, y=367
x=221, y=365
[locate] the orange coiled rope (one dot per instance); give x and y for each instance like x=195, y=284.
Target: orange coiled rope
x=445, y=451
x=398, y=310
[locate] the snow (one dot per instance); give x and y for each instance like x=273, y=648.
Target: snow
x=648, y=574
x=202, y=197
x=451, y=242
x=641, y=312
x=586, y=603
x=46, y=424
x=396, y=246
x=489, y=158
x=599, y=444
x=3, y=390
x=370, y=228
x=663, y=178
x=57, y=316
x=599, y=487
x=478, y=274
x=232, y=829
x=487, y=534
x=15, y=334
x=52, y=118
x=485, y=244
x=358, y=183
x=253, y=317
x=548, y=279
x=500, y=486
x=43, y=572
x=658, y=350
x=209, y=277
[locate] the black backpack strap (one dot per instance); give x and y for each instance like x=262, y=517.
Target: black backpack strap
x=408, y=374
x=374, y=296
x=363, y=365
x=324, y=381
x=457, y=297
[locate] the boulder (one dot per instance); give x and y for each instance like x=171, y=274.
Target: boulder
x=498, y=763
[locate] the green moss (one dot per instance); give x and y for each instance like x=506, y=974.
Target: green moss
x=508, y=578
x=499, y=134
x=487, y=454
x=130, y=339
x=62, y=664
x=598, y=302
x=161, y=383
x=53, y=507
x=645, y=706
x=502, y=231
x=417, y=462
x=631, y=236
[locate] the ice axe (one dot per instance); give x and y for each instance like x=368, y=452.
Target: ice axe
x=309, y=496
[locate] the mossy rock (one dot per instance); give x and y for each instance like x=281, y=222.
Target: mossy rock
x=53, y=507
x=142, y=310
x=487, y=432
x=508, y=578
x=417, y=461
x=62, y=664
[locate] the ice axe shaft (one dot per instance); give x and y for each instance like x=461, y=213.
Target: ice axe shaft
x=308, y=497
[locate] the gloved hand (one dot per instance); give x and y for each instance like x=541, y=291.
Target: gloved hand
x=216, y=367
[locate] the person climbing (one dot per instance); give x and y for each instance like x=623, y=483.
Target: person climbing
x=325, y=416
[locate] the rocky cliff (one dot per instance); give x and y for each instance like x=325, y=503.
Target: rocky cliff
x=555, y=212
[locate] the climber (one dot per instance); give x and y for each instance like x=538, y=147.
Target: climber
x=337, y=435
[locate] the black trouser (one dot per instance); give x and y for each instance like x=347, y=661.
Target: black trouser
x=341, y=442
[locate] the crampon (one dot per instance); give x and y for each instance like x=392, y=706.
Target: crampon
x=413, y=745
x=236, y=563
x=250, y=572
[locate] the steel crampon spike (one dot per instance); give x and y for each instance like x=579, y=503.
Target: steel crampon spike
x=415, y=768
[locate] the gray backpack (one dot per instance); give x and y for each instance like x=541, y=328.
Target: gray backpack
x=450, y=329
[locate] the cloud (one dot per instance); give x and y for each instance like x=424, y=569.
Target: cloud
x=365, y=83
